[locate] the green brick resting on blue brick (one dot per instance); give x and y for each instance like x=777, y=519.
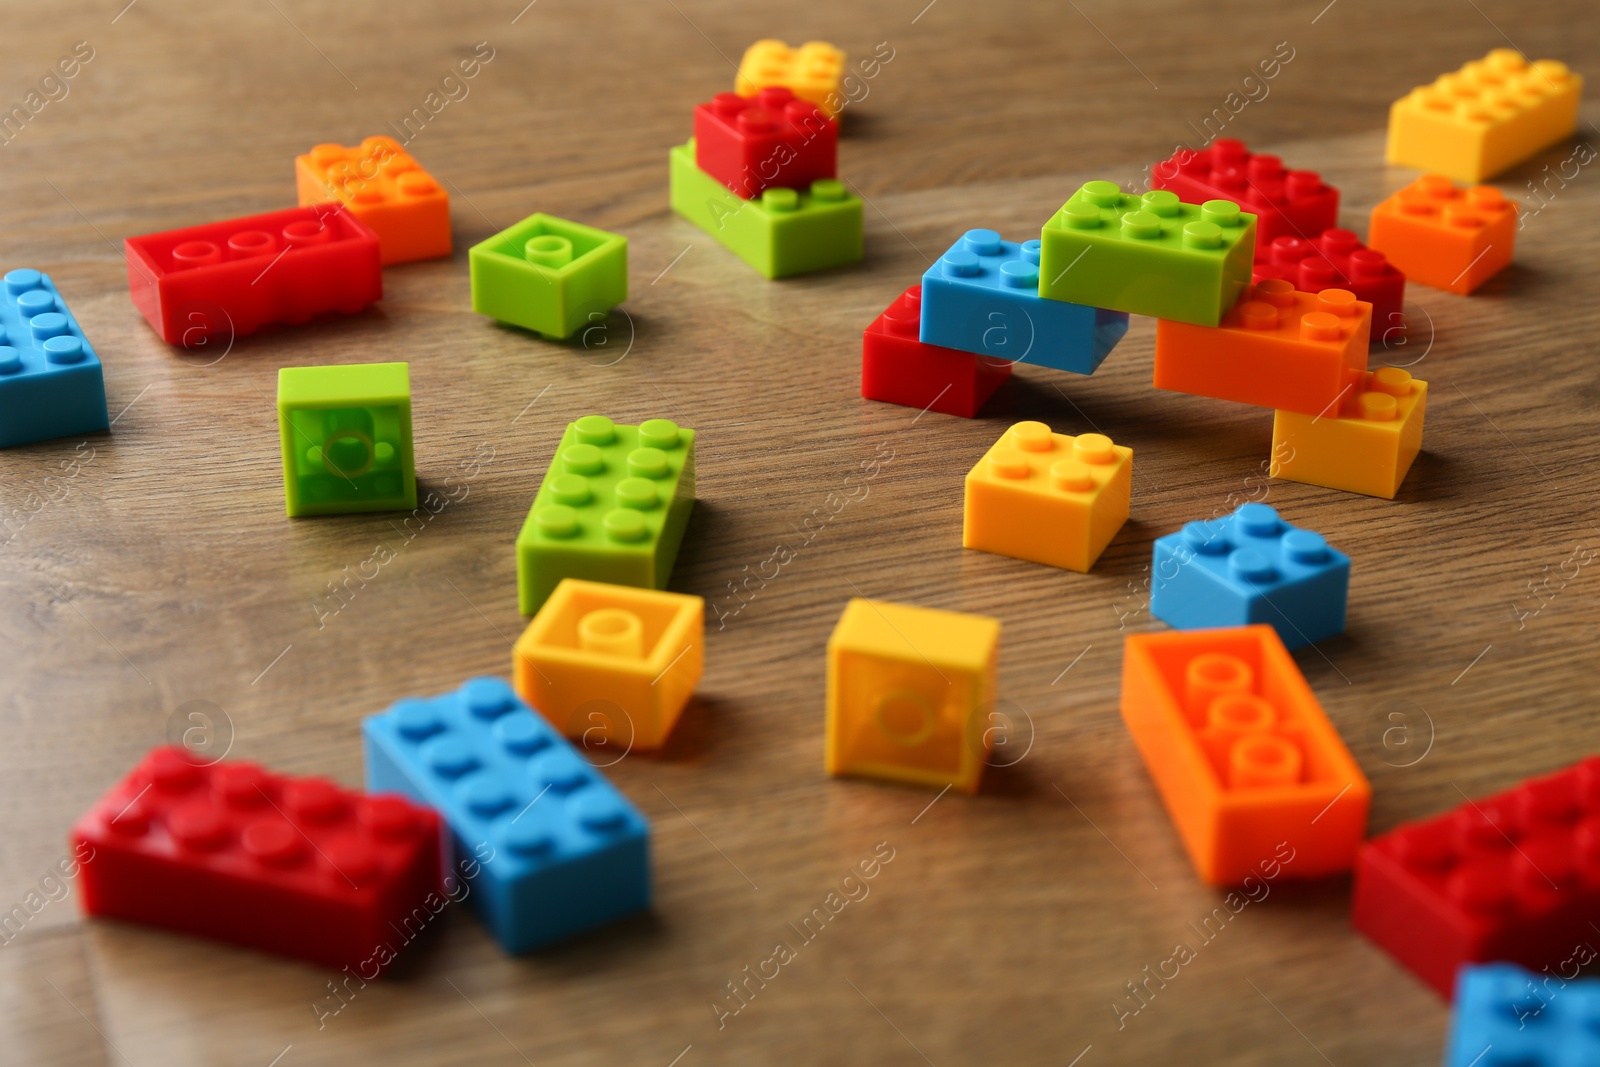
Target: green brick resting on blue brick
x=1147, y=255
x=612, y=508
x=345, y=434
x=781, y=233
x=546, y=846
x=51, y=382
x=549, y=275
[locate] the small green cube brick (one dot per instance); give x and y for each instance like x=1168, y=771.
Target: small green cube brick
x=549, y=275
x=1147, y=255
x=346, y=438
x=612, y=508
x=782, y=233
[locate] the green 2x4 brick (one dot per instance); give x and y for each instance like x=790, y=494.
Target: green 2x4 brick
x=345, y=433
x=612, y=508
x=1147, y=255
x=549, y=275
x=781, y=233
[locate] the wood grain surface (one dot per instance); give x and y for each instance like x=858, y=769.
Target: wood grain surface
x=149, y=574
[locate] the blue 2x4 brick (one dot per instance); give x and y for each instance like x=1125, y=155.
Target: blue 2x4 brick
x=561, y=849
x=1250, y=567
x=51, y=382
x=983, y=297
x=1505, y=1015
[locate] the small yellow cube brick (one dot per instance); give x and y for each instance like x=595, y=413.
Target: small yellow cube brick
x=910, y=691
x=1367, y=447
x=610, y=665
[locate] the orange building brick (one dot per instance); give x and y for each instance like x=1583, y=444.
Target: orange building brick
x=383, y=187
x=910, y=693
x=1276, y=348
x=1048, y=497
x=611, y=665
x=1248, y=766
x=1366, y=448
x=1444, y=236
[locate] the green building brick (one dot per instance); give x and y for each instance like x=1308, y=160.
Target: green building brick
x=346, y=438
x=782, y=233
x=612, y=508
x=549, y=275
x=1147, y=255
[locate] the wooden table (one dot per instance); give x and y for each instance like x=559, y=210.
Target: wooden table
x=160, y=570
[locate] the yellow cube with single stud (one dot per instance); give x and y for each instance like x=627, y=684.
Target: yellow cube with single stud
x=611, y=666
x=812, y=72
x=1048, y=497
x=1485, y=118
x=910, y=694
x=1367, y=446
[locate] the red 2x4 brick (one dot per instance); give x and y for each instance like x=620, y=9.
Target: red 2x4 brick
x=1514, y=877
x=295, y=866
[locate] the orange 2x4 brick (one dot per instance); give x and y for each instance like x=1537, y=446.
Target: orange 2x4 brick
x=1276, y=348
x=1444, y=236
x=385, y=188
x=1242, y=754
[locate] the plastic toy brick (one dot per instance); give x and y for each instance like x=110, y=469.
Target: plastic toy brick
x=209, y=284
x=1149, y=255
x=1338, y=260
x=345, y=433
x=557, y=849
x=295, y=866
x=1506, y=878
x=1367, y=447
x=1252, y=774
x=782, y=233
x=1486, y=117
x=767, y=141
x=385, y=188
x=1449, y=238
x=612, y=665
x=812, y=72
x=1524, y=1019
x=899, y=369
x=51, y=381
x=612, y=508
x=1048, y=497
x=1296, y=203
x=549, y=275
x=909, y=693
x=1277, y=348
x=1251, y=567
x=983, y=296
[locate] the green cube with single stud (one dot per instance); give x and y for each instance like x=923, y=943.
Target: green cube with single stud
x=612, y=508
x=1147, y=255
x=781, y=233
x=549, y=275
x=346, y=438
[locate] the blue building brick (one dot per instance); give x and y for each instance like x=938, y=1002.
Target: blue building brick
x=1250, y=567
x=983, y=296
x=561, y=850
x=1508, y=1017
x=51, y=384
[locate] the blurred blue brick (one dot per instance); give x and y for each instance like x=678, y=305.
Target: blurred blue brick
x=1250, y=567
x=51, y=383
x=561, y=849
x=1508, y=1017
x=983, y=296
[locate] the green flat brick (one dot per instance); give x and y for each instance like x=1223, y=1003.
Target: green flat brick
x=549, y=275
x=1150, y=255
x=346, y=438
x=784, y=232
x=612, y=508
